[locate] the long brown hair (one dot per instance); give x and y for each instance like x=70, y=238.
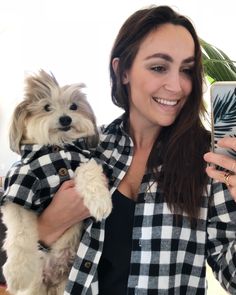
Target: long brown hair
x=180, y=147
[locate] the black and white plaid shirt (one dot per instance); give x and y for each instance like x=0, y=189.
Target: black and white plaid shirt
x=166, y=258
x=34, y=180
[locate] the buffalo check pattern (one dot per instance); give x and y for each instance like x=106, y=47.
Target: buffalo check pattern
x=33, y=180
x=168, y=258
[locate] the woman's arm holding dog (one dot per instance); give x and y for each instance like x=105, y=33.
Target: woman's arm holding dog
x=66, y=209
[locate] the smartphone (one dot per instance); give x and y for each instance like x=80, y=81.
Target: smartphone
x=223, y=114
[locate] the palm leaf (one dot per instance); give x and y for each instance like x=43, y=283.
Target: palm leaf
x=217, y=65
x=230, y=62
x=224, y=109
x=224, y=117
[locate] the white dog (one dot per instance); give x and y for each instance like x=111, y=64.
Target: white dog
x=50, y=129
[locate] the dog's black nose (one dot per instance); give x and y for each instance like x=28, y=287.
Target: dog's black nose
x=65, y=121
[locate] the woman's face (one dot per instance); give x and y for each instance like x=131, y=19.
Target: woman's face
x=159, y=80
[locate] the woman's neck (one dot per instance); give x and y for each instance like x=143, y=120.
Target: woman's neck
x=143, y=135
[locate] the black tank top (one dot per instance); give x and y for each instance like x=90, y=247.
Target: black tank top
x=113, y=268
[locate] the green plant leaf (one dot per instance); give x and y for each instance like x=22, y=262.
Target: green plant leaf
x=217, y=65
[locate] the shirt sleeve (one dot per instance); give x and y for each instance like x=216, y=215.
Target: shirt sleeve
x=221, y=245
x=21, y=187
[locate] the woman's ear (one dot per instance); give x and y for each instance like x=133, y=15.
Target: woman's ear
x=115, y=64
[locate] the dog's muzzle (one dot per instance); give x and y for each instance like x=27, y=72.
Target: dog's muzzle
x=65, y=122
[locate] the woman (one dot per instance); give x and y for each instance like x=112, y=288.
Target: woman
x=168, y=215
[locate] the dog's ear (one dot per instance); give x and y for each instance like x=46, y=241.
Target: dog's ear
x=17, y=127
x=40, y=85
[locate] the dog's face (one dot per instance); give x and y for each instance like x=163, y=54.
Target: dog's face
x=51, y=114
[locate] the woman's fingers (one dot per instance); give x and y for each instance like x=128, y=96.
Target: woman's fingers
x=227, y=142
x=221, y=160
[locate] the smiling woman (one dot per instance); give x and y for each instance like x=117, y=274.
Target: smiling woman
x=162, y=67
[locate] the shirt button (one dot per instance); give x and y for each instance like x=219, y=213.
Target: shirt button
x=113, y=178
x=127, y=149
x=63, y=172
x=55, y=149
x=87, y=264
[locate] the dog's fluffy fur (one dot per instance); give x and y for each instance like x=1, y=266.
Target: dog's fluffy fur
x=38, y=119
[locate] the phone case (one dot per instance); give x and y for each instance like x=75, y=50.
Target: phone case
x=223, y=106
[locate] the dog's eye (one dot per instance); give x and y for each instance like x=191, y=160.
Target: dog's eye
x=47, y=108
x=73, y=107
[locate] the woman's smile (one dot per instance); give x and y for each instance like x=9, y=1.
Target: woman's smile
x=165, y=102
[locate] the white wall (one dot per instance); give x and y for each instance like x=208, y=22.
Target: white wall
x=73, y=39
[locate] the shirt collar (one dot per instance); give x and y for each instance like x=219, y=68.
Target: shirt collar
x=118, y=125
x=33, y=151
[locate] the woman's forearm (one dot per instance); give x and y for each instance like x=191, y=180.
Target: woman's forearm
x=65, y=210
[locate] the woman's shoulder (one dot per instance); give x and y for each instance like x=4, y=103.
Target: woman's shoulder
x=112, y=137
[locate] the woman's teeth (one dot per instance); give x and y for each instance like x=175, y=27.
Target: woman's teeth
x=165, y=101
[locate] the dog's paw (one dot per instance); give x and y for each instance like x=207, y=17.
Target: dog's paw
x=99, y=208
x=92, y=185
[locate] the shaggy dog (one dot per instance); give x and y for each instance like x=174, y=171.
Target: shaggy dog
x=52, y=129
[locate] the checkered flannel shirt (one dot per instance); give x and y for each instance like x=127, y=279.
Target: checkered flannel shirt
x=33, y=180
x=166, y=258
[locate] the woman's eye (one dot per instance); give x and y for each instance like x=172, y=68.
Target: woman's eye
x=159, y=69
x=187, y=71
x=73, y=107
x=47, y=108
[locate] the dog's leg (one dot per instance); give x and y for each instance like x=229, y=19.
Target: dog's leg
x=23, y=265
x=57, y=290
x=62, y=255
x=33, y=290
x=92, y=184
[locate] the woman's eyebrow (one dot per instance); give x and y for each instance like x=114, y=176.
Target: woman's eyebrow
x=169, y=58
x=189, y=60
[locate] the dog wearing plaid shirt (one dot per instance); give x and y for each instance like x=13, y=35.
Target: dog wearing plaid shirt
x=50, y=129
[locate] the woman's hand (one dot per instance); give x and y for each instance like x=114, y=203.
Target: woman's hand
x=66, y=209
x=225, y=162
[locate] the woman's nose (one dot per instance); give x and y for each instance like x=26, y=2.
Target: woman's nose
x=173, y=82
